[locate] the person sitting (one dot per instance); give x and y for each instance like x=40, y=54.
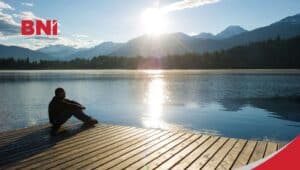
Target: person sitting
x=61, y=109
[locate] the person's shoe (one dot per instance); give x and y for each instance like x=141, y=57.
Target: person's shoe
x=91, y=122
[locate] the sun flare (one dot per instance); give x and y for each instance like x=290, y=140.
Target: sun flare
x=154, y=21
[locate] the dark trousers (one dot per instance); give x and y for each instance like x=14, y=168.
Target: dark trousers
x=61, y=118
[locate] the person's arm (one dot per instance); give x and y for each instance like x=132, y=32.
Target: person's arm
x=72, y=103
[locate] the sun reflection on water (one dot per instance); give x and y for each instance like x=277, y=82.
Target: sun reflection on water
x=155, y=98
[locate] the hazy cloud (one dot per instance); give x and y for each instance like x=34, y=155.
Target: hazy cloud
x=180, y=5
x=42, y=41
x=10, y=31
x=4, y=5
x=43, y=38
x=80, y=36
x=7, y=25
x=27, y=15
x=27, y=4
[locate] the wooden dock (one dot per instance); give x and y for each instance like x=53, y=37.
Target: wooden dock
x=121, y=147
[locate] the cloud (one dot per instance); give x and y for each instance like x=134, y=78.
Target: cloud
x=10, y=32
x=7, y=25
x=80, y=36
x=27, y=15
x=27, y=4
x=180, y=5
x=34, y=42
x=49, y=38
x=4, y=5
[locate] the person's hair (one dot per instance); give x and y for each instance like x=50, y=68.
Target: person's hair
x=59, y=91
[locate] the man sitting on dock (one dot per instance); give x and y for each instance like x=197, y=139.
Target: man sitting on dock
x=61, y=109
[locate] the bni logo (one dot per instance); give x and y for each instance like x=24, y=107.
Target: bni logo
x=36, y=27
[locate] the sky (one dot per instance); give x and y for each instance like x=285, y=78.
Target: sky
x=86, y=23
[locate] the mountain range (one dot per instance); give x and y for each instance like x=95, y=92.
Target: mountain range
x=227, y=33
x=166, y=44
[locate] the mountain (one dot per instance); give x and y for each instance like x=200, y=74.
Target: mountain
x=286, y=28
x=170, y=44
x=166, y=44
x=22, y=53
x=59, y=51
x=205, y=36
x=104, y=48
x=230, y=32
x=290, y=20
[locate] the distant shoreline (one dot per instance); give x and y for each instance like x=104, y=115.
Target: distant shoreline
x=157, y=71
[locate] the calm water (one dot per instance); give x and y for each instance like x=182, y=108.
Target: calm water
x=257, y=104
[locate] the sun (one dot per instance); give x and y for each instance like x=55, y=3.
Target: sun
x=154, y=21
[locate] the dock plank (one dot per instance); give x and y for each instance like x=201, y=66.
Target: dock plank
x=184, y=163
x=152, y=145
x=230, y=158
x=271, y=148
x=104, y=152
x=182, y=154
x=101, y=160
x=259, y=151
x=65, y=148
x=220, y=155
x=245, y=155
x=123, y=147
x=40, y=142
x=83, y=149
x=161, y=154
x=205, y=157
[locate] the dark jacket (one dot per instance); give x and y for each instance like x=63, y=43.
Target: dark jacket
x=59, y=106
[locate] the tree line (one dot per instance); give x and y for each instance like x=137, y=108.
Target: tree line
x=276, y=53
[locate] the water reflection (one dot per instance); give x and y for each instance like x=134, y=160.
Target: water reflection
x=242, y=105
x=155, y=98
x=285, y=108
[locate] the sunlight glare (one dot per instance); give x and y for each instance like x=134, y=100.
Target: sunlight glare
x=154, y=21
x=155, y=99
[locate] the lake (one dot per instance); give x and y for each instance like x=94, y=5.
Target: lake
x=249, y=104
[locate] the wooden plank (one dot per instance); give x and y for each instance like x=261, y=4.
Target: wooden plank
x=162, y=151
x=16, y=132
x=184, y=163
x=38, y=131
x=143, y=164
x=161, y=156
x=245, y=155
x=18, y=148
x=63, y=145
x=111, y=161
x=114, y=153
x=204, y=158
x=220, y=155
x=26, y=151
x=121, y=147
x=271, y=148
x=55, y=159
x=230, y=158
x=281, y=145
x=38, y=141
x=259, y=151
x=114, y=148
